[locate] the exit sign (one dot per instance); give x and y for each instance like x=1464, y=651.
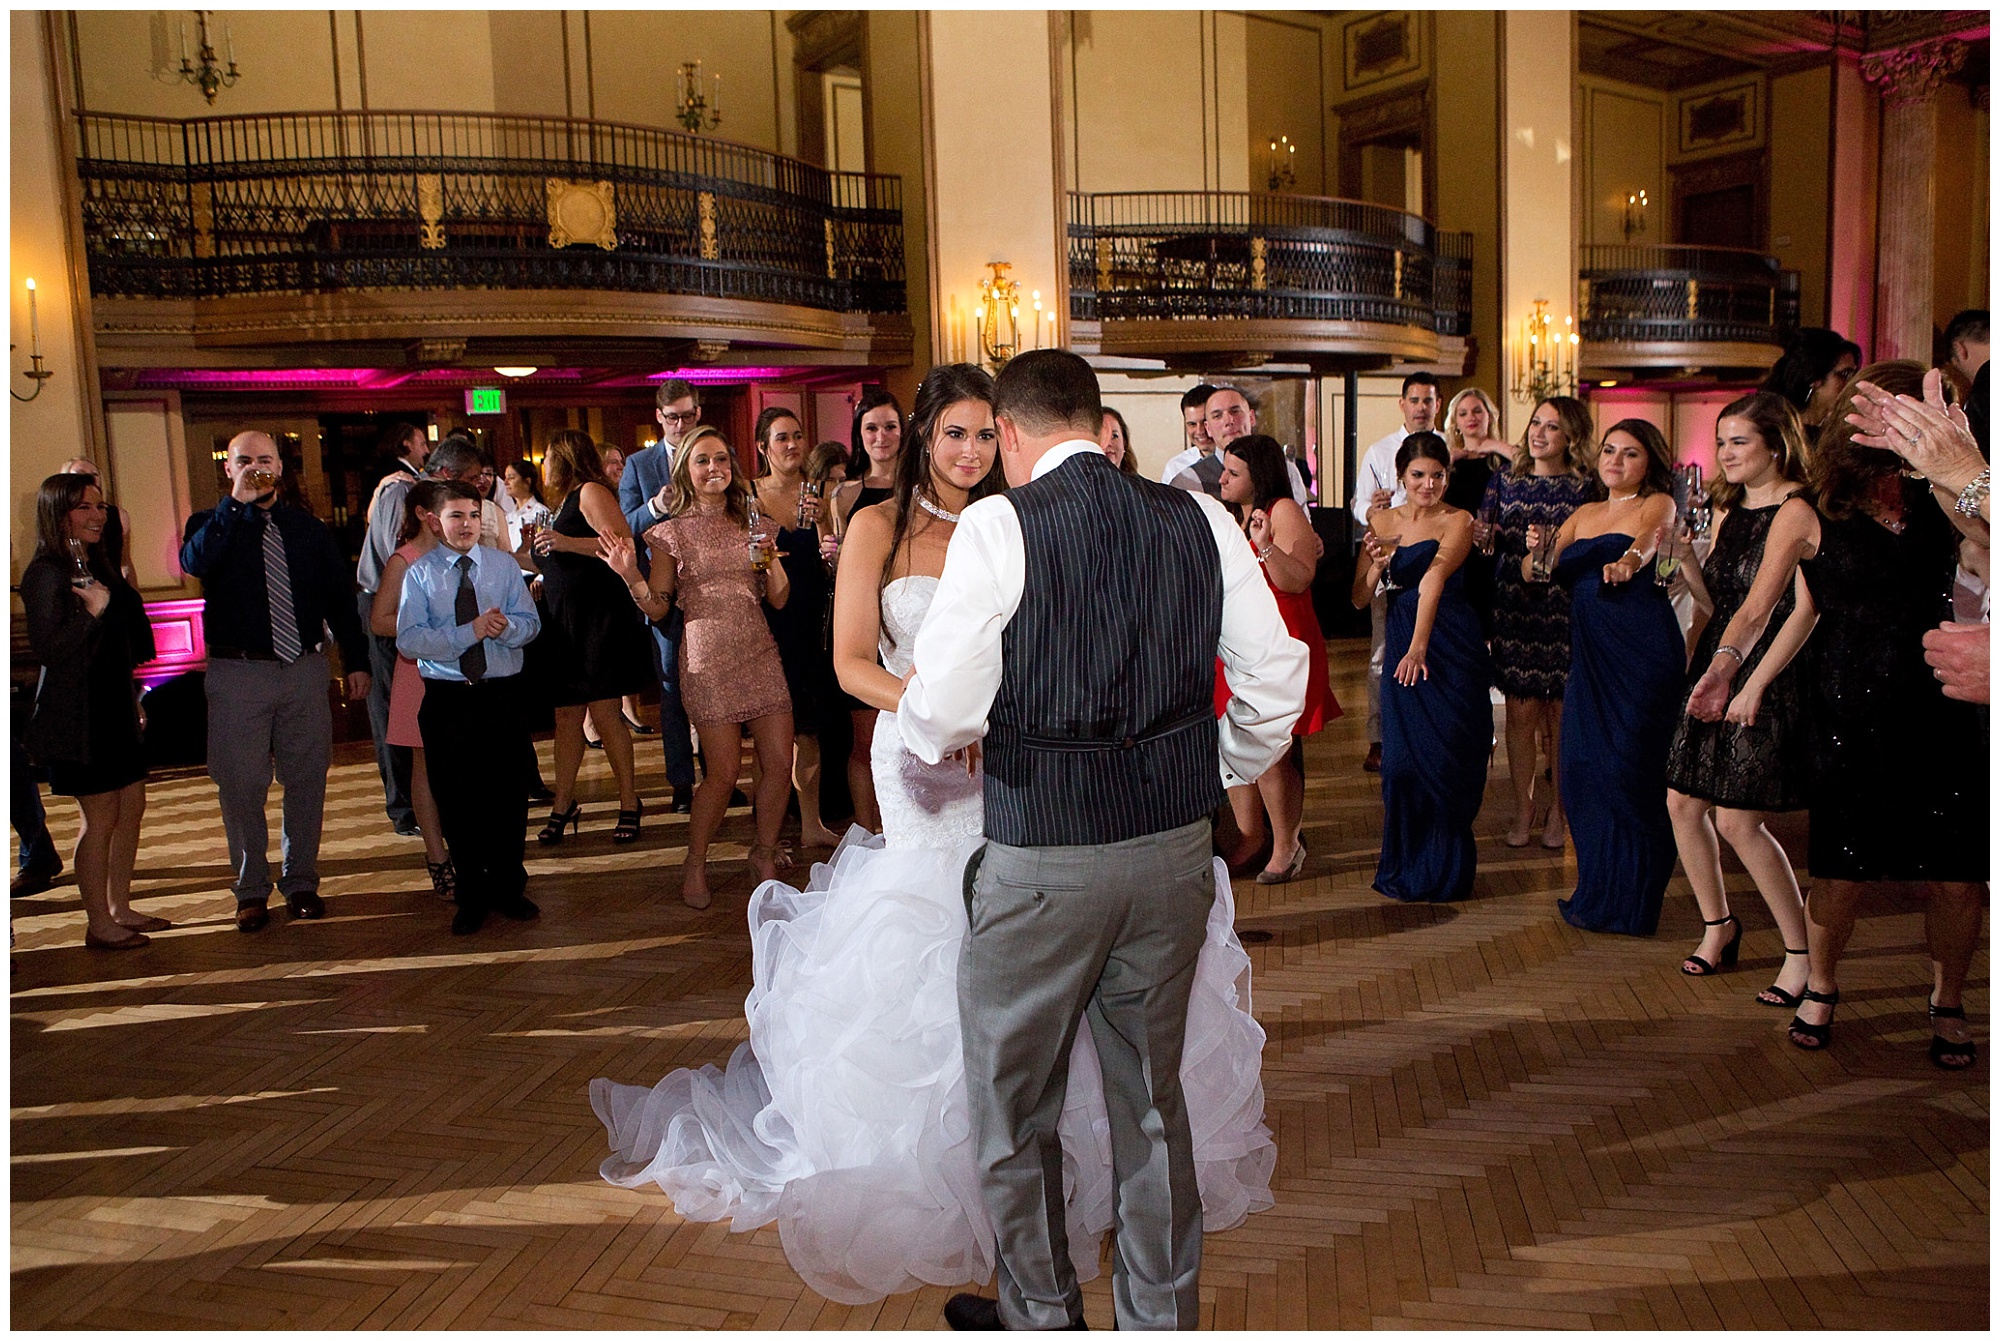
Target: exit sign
x=486, y=400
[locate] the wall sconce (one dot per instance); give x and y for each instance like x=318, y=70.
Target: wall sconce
x=37, y=374
x=694, y=110
x=1544, y=358
x=997, y=318
x=1283, y=151
x=209, y=77
x=1635, y=213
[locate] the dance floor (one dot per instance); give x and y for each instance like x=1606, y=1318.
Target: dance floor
x=1484, y=1118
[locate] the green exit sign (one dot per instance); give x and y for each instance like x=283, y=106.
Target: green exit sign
x=486, y=400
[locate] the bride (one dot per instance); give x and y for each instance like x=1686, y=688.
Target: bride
x=844, y=1117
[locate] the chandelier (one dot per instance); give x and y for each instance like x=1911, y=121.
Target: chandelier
x=1544, y=358
x=208, y=76
x=694, y=110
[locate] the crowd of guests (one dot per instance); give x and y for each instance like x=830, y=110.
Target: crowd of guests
x=1837, y=622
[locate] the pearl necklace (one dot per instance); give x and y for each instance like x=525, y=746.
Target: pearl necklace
x=935, y=510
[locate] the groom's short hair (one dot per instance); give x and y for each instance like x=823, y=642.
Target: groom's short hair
x=1045, y=390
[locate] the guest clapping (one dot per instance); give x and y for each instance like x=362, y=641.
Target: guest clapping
x=88, y=629
x=706, y=554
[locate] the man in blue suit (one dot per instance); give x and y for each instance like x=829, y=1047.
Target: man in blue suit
x=643, y=496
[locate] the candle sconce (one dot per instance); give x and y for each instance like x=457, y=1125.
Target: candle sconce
x=693, y=108
x=1635, y=213
x=1283, y=176
x=37, y=374
x=209, y=76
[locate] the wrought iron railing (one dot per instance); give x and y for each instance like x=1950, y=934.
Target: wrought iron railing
x=1202, y=255
x=325, y=201
x=1691, y=295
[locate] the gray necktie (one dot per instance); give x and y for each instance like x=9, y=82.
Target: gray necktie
x=472, y=661
x=278, y=583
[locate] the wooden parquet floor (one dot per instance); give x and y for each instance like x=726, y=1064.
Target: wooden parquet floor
x=1485, y=1119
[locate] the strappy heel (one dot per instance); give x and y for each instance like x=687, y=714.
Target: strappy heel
x=571, y=819
x=1945, y=1054
x=444, y=879
x=1775, y=995
x=1727, y=959
x=1819, y=1034
x=628, y=823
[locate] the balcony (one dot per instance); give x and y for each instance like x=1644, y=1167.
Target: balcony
x=1679, y=313
x=320, y=228
x=1230, y=278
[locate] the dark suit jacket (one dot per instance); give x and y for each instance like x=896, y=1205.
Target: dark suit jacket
x=646, y=471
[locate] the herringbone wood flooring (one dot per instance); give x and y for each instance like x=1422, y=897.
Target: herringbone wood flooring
x=1484, y=1117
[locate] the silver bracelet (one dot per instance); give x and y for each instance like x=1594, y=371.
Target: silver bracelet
x=1727, y=650
x=1973, y=494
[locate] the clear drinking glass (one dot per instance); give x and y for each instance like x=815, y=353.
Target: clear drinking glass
x=760, y=559
x=810, y=490
x=80, y=575
x=1489, y=519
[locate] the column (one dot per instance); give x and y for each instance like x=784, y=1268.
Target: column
x=1538, y=217
x=1909, y=80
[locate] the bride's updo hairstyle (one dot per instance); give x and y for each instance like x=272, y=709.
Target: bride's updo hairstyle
x=943, y=387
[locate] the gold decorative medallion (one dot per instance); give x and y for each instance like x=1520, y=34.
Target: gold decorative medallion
x=430, y=208
x=582, y=212
x=203, y=206
x=1257, y=245
x=711, y=249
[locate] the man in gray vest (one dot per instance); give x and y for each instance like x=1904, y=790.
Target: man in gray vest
x=1075, y=630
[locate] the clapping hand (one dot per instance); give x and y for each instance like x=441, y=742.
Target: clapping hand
x=1933, y=437
x=491, y=624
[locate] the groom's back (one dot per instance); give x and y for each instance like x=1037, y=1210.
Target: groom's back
x=1104, y=725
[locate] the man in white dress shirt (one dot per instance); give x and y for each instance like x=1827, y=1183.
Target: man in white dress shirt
x=1231, y=416
x=1194, y=421
x=1074, y=634
x=1376, y=486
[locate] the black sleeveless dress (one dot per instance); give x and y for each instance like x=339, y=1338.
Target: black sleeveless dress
x=800, y=629
x=591, y=648
x=1764, y=766
x=1899, y=788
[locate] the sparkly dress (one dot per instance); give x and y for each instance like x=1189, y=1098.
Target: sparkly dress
x=730, y=670
x=1530, y=619
x=1762, y=766
x=1899, y=788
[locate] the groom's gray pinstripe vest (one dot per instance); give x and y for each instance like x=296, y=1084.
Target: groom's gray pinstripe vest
x=1104, y=725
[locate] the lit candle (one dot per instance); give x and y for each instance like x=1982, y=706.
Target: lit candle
x=718, y=97
x=229, y=40
x=34, y=322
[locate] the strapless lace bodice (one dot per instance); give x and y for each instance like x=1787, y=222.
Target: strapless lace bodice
x=922, y=806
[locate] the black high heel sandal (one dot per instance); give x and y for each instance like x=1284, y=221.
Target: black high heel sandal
x=1945, y=1054
x=1775, y=995
x=628, y=822
x=636, y=728
x=444, y=879
x=1821, y=1034
x=1729, y=952
x=571, y=819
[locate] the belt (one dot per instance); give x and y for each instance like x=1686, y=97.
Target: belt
x=221, y=653
x=1105, y=744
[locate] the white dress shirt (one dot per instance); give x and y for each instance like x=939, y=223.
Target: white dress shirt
x=958, y=650
x=1378, y=471
x=1178, y=462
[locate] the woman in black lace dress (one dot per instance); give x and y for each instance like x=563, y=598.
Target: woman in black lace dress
x=1899, y=787
x=1723, y=778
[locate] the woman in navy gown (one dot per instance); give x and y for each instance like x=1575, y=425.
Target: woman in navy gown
x=1437, y=721
x=1627, y=675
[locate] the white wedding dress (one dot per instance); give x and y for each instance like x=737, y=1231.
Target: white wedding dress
x=844, y=1117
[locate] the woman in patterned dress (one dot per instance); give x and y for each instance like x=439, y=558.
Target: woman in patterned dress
x=1550, y=479
x=730, y=671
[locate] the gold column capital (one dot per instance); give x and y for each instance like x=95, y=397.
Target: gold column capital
x=1916, y=72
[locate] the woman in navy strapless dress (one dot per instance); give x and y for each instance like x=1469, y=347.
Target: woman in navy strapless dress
x=1437, y=721
x=1627, y=675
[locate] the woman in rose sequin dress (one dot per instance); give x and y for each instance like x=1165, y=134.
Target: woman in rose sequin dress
x=730, y=671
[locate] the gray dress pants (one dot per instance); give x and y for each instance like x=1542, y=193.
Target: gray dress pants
x=1058, y=935
x=264, y=718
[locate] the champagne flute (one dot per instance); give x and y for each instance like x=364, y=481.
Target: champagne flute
x=80, y=575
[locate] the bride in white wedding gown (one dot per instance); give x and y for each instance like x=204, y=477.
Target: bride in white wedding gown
x=844, y=1117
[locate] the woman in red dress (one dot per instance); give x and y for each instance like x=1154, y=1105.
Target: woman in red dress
x=1256, y=485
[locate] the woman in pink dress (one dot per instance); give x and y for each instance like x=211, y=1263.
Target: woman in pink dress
x=406, y=691
x=706, y=553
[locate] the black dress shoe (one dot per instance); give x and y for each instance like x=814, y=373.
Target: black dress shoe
x=1373, y=763
x=407, y=827
x=305, y=905
x=682, y=801
x=737, y=798
x=521, y=908
x=972, y=1313
x=252, y=917
x=33, y=881
x=467, y=920
x=539, y=791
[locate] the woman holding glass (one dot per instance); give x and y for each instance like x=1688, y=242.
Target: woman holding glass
x=1471, y=429
x=88, y=628
x=1627, y=674
x=723, y=571
x=795, y=504
x=1548, y=482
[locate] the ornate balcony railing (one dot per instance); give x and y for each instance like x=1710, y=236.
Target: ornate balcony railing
x=1206, y=255
x=1685, y=295
x=328, y=201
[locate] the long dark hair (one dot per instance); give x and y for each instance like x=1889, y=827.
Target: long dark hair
x=1844, y=471
x=571, y=461
x=1779, y=425
x=1659, y=456
x=528, y=471
x=943, y=387
x=1808, y=358
x=53, y=502
x=857, y=454
x=1264, y=460
x=761, y=435
x=428, y=495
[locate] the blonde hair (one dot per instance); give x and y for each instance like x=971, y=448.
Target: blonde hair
x=1455, y=440
x=735, y=500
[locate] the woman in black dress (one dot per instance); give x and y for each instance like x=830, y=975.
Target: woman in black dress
x=1471, y=430
x=1899, y=786
x=592, y=651
x=88, y=628
x=1724, y=778
x=795, y=503
x=871, y=478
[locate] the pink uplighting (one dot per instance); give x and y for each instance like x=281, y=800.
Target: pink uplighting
x=444, y=379
x=177, y=636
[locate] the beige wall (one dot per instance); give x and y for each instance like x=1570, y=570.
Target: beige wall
x=899, y=143
x=1467, y=136
x=285, y=57
x=1288, y=97
x=635, y=55
x=1538, y=256
x=1798, y=185
x=1159, y=100
x=1623, y=133
x=527, y=62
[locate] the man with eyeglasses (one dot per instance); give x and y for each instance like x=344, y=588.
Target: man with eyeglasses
x=643, y=496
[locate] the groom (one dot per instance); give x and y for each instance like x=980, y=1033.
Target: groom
x=1075, y=629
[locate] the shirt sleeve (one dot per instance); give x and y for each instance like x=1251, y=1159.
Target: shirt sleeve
x=208, y=537
x=419, y=635
x=524, y=623
x=957, y=655
x=1366, y=481
x=1264, y=665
